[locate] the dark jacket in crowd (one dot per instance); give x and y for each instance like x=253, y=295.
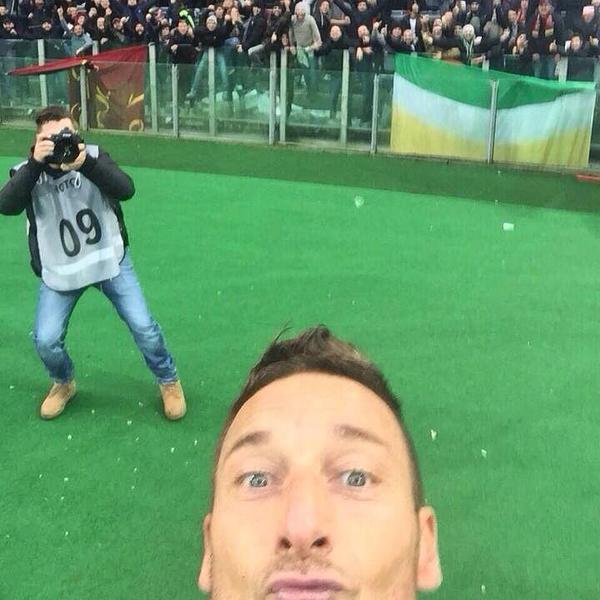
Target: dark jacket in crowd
x=254, y=32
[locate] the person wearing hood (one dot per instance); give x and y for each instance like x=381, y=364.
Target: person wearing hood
x=305, y=39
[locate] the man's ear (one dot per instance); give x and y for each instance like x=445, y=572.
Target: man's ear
x=429, y=572
x=205, y=575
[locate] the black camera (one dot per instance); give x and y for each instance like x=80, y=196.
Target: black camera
x=66, y=147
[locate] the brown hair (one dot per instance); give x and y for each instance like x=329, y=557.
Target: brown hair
x=318, y=350
x=51, y=113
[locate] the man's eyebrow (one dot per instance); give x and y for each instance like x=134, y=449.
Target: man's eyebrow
x=357, y=433
x=254, y=438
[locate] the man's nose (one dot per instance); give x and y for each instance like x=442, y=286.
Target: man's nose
x=307, y=518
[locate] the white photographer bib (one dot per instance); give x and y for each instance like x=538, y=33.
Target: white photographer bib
x=77, y=231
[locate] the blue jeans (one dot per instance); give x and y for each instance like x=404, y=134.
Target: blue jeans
x=54, y=310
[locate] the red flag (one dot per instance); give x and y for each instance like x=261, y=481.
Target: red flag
x=115, y=86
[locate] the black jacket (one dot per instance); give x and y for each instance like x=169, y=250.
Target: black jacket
x=15, y=196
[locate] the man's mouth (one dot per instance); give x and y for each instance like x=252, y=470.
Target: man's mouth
x=303, y=587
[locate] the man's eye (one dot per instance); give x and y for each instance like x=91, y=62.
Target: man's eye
x=255, y=479
x=355, y=478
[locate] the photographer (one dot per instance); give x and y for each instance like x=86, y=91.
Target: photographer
x=71, y=194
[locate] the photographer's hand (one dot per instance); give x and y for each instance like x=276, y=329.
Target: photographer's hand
x=42, y=149
x=76, y=164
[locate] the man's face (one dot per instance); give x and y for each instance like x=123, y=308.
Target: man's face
x=407, y=36
x=335, y=33
x=100, y=23
x=576, y=43
x=313, y=500
x=324, y=7
x=300, y=12
x=139, y=28
x=78, y=29
x=46, y=25
x=362, y=6
x=415, y=9
x=512, y=16
x=182, y=27
x=2, y=10
x=211, y=23
x=363, y=32
x=255, y=9
x=219, y=12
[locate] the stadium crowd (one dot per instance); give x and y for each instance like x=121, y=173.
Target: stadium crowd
x=522, y=36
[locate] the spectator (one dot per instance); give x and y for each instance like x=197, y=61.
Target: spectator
x=586, y=25
x=580, y=62
x=38, y=13
x=331, y=53
x=102, y=34
x=511, y=32
x=77, y=40
x=181, y=45
x=522, y=64
x=210, y=35
x=545, y=35
x=8, y=31
x=368, y=51
x=304, y=41
x=322, y=19
x=277, y=24
x=48, y=30
x=118, y=34
x=408, y=44
x=411, y=21
x=254, y=32
x=363, y=14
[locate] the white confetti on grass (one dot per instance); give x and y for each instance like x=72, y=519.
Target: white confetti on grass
x=93, y=411
x=129, y=421
x=65, y=479
x=137, y=439
x=508, y=226
x=172, y=450
x=433, y=434
x=66, y=534
x=359, y=201
x=484, y=453
x=69, y=437
x=135, y=469
x=195, y=442
x=483, y=590
x=11, y=387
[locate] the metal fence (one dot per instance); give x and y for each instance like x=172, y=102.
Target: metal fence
x=327, y=104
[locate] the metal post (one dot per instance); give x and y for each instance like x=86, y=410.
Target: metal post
x=212, y=107
x=493, y=114
x=485, y=65
x=283, y=95
x=272, y=97
x=83, y=118
x=375, y=114
x=153, y=87
x=345, y=97
x=175, y=98
x=95, y=48
x=43, y=77
x=561, y=68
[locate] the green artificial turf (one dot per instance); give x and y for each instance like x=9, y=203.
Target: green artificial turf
x=491, y=338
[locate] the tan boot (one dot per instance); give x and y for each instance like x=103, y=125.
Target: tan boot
x=173, y=400
x=56, y=400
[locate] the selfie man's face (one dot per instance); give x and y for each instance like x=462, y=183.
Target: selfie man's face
x=313, y=500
